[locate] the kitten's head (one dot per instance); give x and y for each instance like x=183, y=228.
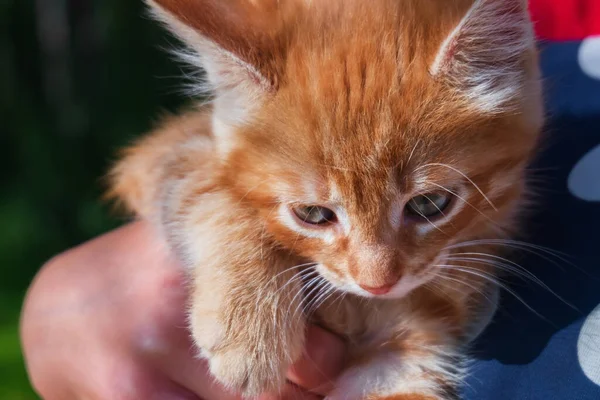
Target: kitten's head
x=369, y=136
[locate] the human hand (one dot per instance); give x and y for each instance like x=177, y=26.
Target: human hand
x=106, y=320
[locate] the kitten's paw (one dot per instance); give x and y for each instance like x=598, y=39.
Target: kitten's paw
x=247, y=372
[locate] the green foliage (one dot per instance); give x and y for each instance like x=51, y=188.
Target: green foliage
x=77, y=81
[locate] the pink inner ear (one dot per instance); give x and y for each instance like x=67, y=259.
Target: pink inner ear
x=482, y=57
x=248, y=30
x=449, y=53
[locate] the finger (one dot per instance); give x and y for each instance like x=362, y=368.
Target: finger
x=166, y=390
x=194, y=375
x=321, y=363
x=291, y=392
x=173, y=353
x=148, y=388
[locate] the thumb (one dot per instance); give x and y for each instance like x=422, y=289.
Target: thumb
x=321, y=363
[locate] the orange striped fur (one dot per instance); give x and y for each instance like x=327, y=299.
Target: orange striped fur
x=359, y=107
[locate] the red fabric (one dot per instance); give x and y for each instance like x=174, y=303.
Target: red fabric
x=565, y=19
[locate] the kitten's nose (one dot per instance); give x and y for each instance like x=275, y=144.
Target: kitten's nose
x=379, y=290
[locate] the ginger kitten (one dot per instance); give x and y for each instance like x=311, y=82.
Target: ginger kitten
x=356, y=166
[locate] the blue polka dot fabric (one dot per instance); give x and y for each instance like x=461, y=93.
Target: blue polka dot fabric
x=556, y=354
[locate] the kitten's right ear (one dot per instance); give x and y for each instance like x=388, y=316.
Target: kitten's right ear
x=234, y=41
x=484, y=56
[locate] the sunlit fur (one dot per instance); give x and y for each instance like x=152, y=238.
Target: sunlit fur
x=357, y=106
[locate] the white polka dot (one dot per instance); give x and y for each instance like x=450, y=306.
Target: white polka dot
x=584, y=180
x=589, y=56
x=588, y=346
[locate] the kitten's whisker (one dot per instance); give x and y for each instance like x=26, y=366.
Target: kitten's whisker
x=339, y=301
x=493, y=280
x=435, y=205
x=410, y=156
x=544, y=249
x=330, y=291
x=464, y=200
x=462, y=282
x=483, y=274
x=537, y=250
x=463, y=175
x=298, y=276
x=316, y=284
x=331, y=294
x=502, y=261
x=497, y=265
x=314, y=293
x=306, y=309
x=429, y=221
x=437, y=288
x=302, y=292
x=412, y=152
x=510, y=266
x=309, y=265
x=449, y=287
x=323, y=291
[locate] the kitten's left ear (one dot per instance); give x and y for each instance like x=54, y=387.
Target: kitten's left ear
x=485, y=56
x=236, y=42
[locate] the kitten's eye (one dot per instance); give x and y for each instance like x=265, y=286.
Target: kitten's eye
x=315, y=215
x=428, y=205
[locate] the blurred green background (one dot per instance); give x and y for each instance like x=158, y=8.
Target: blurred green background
x=78, y=79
